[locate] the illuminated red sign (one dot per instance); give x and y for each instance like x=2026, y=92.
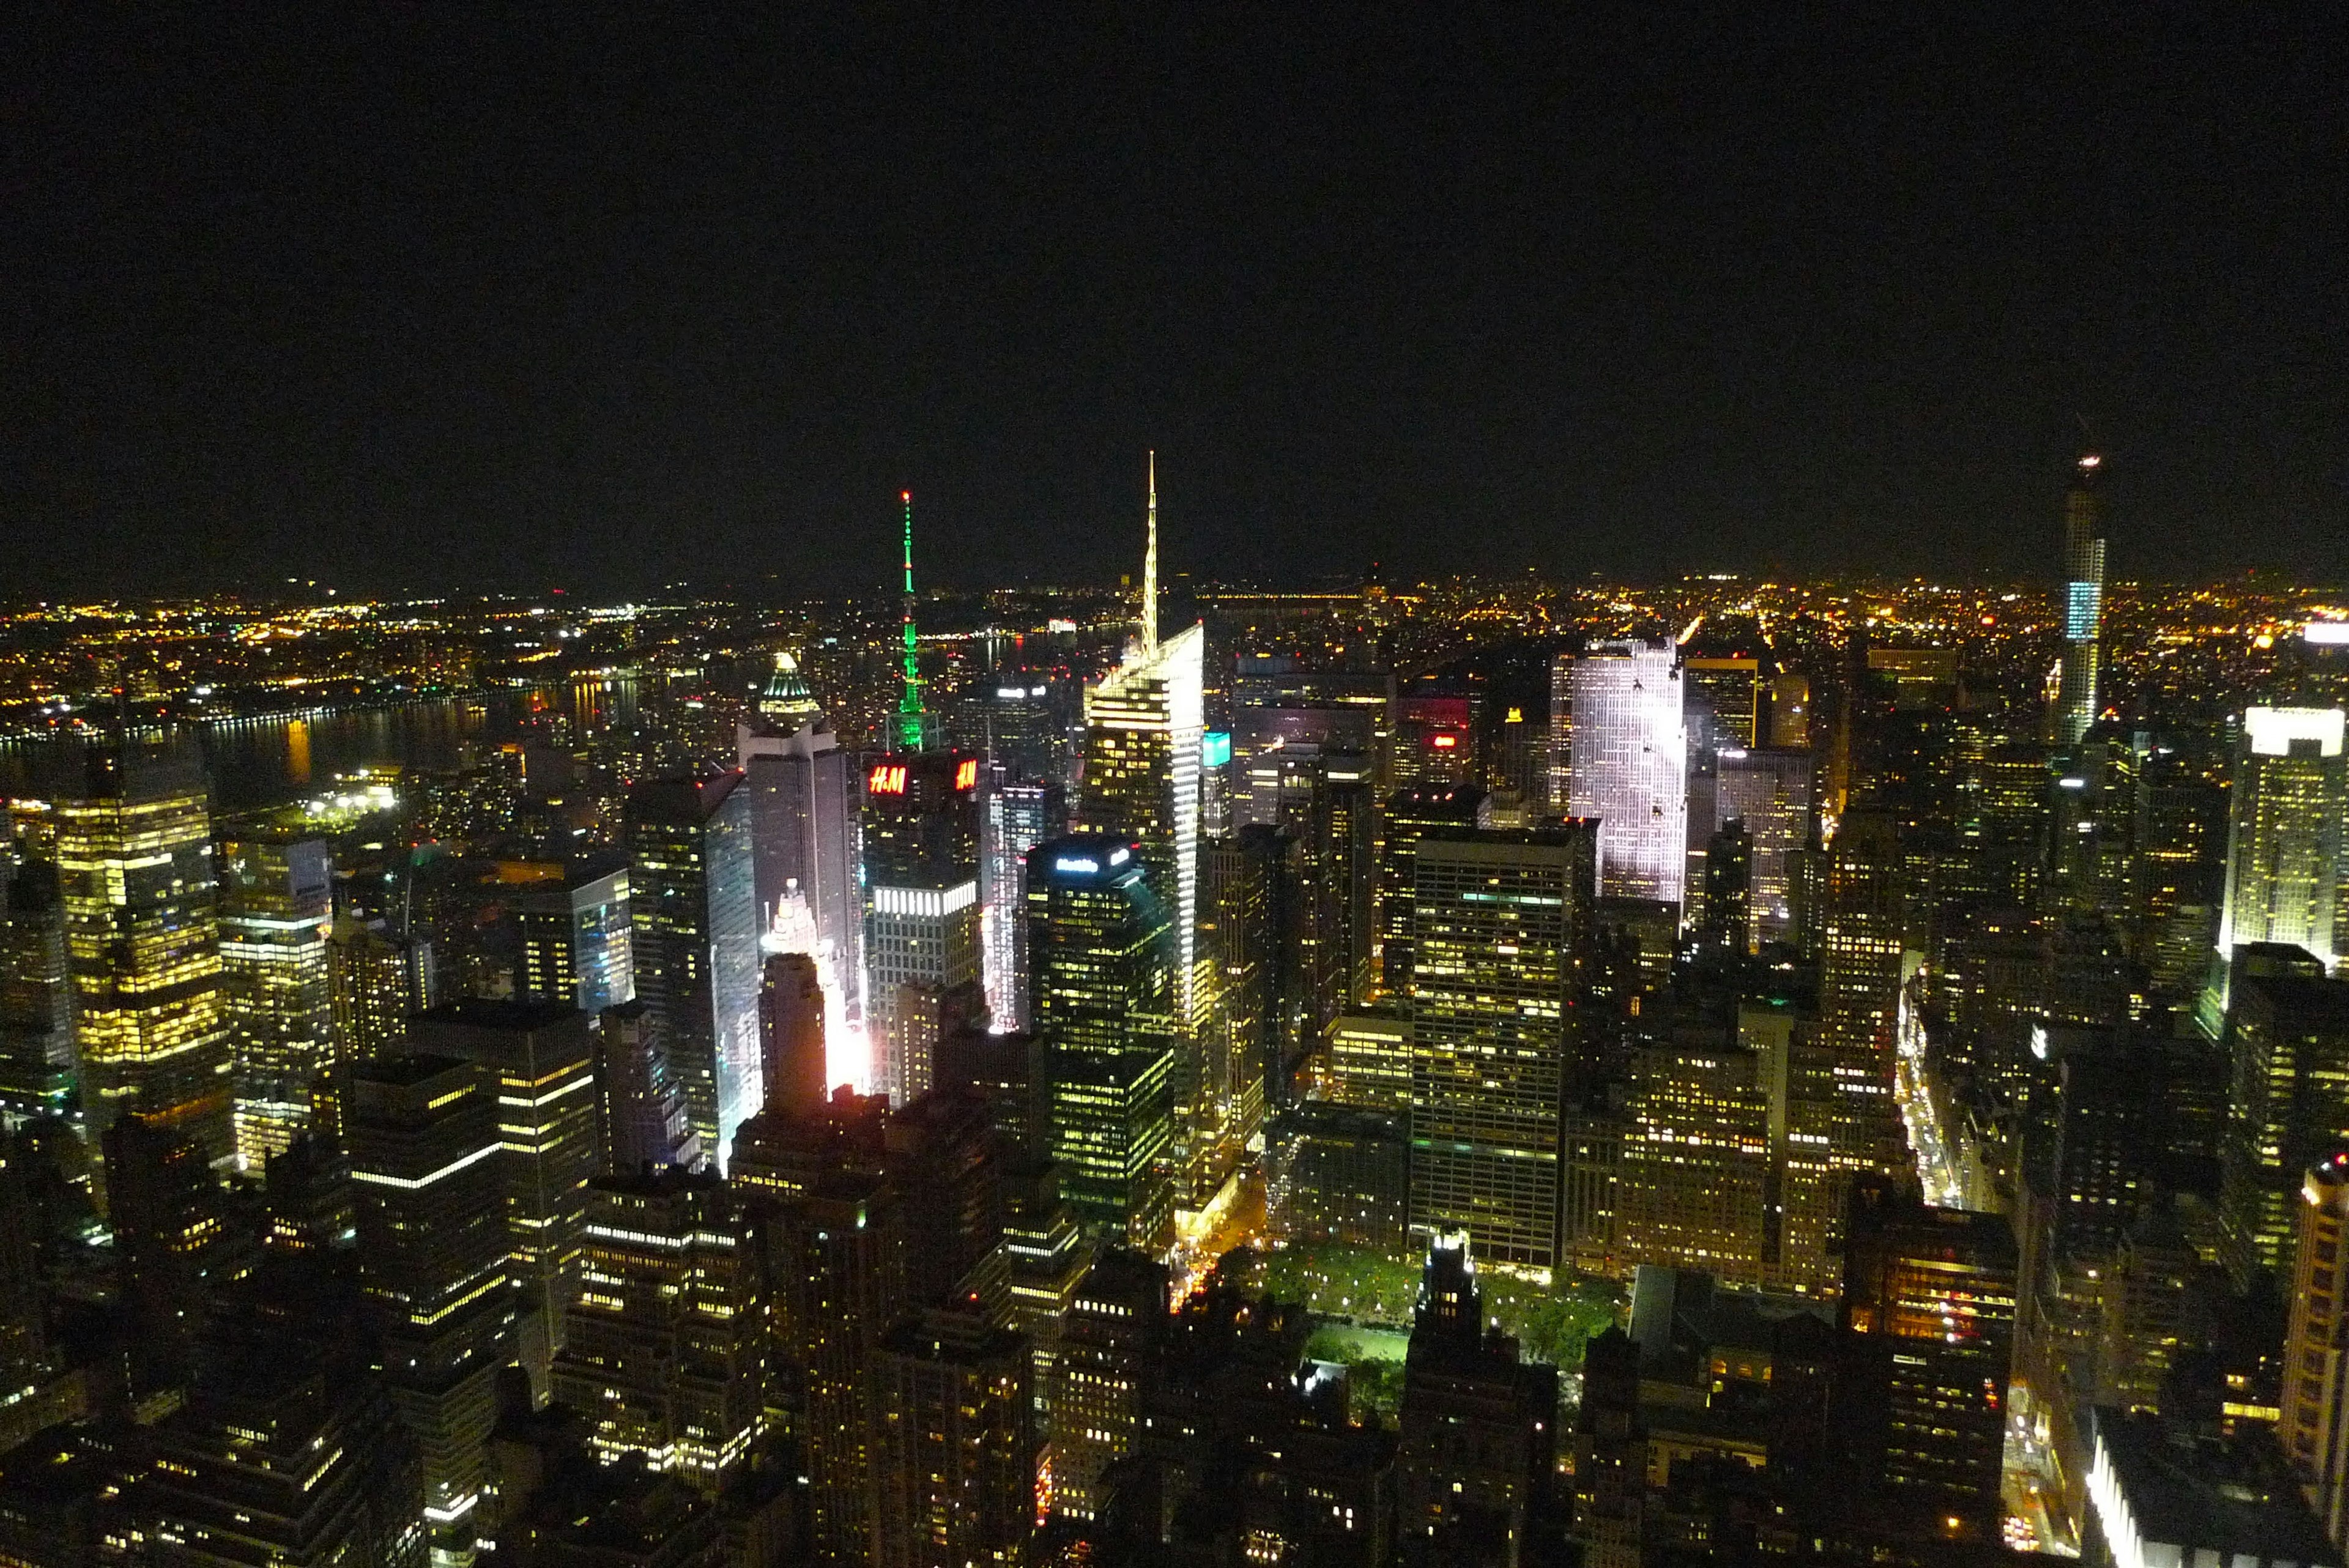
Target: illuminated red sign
x=1443, y=743
x=966, y=774
x=888, y=779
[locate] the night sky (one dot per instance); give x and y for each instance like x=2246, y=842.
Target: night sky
x=421, y=298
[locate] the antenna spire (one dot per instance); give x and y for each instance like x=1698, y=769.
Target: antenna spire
x=912, y=723
x=1150, y=566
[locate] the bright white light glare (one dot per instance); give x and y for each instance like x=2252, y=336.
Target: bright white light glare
x=2272, y=731
x=2326, y=633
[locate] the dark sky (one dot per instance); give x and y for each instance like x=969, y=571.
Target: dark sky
x=418, y=296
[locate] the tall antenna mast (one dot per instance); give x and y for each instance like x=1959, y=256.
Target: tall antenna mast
x=911, y=727
x=1150, y=566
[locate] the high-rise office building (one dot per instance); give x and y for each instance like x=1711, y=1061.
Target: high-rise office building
x=142, y=938
x=1933, y=1293
x=2313, y=1424
x=1410, y=814
x=2284, y=841
x=2083, y=604
x=643, y=1115
x=276, y=1459
x=693, y=909
x=1476, y=1459
x=578, y=943
x=540, y=1058
x=1790, y=710
x=1628, y=766
x=665, y=1347
x=275, y=908
x=375, y=979
x=1726, y=689
x=1501, y=921
x=922, y=975
x=1093, y=1406
x=1770, y=792
x=954, y=1446
x=1861, y=969
x=838, y=1261
x=1101, y=995
x=1018, y=818
x=2288, y=1103
x=36, y=1043
x=433, y=1246
x=803, y=835
x=791, y=1036
x=1144, y=724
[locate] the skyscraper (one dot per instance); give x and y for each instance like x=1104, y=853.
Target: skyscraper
x=2313, y=1427
x=1770, y=792
x=36, y=1043
x=1933, y=1293
x=693, y=907
x=1101, y=990
x=1628, y=766
x=955, y=1449
x=791, y=1036
x=2288, y=1104
x=1860, y=975
x=916, y=727
x=665, y=1350
x=2083, y=604
x=1501, y=920
x=578, y=946
x=1144, y=724
x=433, y=1246
x=922, y=976
x=274, y=912
x=643, y=1116
x=1018, y=818
x=1477, y=1457
x=1094, y=1403
x=134, y=860
x=2284, y=841
x=803, y=837
x=541, y=1059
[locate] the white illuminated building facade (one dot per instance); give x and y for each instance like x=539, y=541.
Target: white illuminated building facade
x=1628, y=766
x=2284, y=841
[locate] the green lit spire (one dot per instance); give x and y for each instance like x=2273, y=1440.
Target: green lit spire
x=913, y=723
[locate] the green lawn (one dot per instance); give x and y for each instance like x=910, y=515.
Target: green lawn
x=1374, y=1291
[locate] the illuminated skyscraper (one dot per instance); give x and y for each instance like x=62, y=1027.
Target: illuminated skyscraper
x=1143, y=728
x=433, y=1247
x=1019, y=817
x=1930, y=1293
x=577, y=945
x=1093, y=1406
x=1770, y=792
x=1861, y=969
x=664, y=1352
x=1410, y=814
x=273, y=917
x=955, y=1449
x=1101, y=990
x=541, y=1058
x=2314, y=1424
x=1500, y=922
x=1628, y=766
x=36, y=1044
x=2284, y=843
x=134, y=860
x=2083, y=604
x=922, y=976
x=2288, y=1101
x=693, y=907
x=791, y=1036
x=804, y=823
